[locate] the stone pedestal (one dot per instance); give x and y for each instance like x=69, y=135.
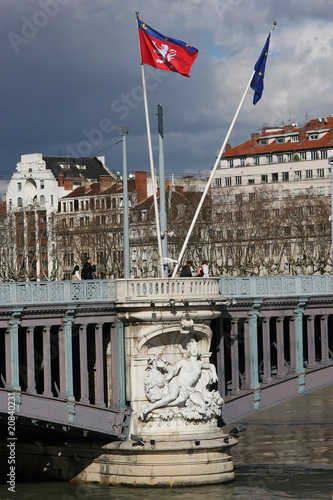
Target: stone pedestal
x=174, y=437
x=162, y=461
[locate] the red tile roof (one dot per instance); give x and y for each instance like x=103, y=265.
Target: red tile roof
x=252, y=147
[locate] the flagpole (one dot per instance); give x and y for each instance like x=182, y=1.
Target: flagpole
x=151, y=161
x=212, y=174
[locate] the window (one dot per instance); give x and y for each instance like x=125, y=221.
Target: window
x=19, y=186
x=264, y=178
x=280, y=158
x=308, y=174
x=238, y=180
x=313, y=137
x=294, y=138
x=320, y=172
x=252, y=197
x=242, y=162
x=71, y=222
x=275, y=195
x=280, y=140
x=285, y=194
x=42, y=200
x=286, y=230
x=51, y=200
x=285, y=176
x=19, y=202
x=298, y=175
x=238, y=198
x=314, y=155
x=263, y=142
x=276, y=212
x=218, y=217
x=275, y=177
x=250, y=179
x=321, y=191
x=218, y=182
x=256, y=160
x=42, y=184
x=290, y=156
x=230, y=163
x=323, y=154
x=303, y=155
x=269, y=159
x=227, y=181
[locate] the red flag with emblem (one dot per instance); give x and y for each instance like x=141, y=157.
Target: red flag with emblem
x=165, y=53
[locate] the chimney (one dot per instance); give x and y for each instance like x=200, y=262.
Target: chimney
x=105, y=182
x=227, y=147
x=302, y=134
x=254, y=137
x=61, y=180
x=141, y=186
x=68, y=185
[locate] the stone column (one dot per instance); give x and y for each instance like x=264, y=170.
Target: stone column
x=120, y=364
x=47, y=362
x=266, y=343
x=99, y=366
x=220, y=358
x=281, y=369
x=235, y=389
x=31, y=381
x=62, y=364
x=84, y=365
x=296, y=339
x=12, y=351
x=324, y=340
x=251, y=347
x=68, y=321
x=311, y=342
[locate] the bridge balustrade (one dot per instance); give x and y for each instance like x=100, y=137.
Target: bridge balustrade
x=274, y=342
x=62, y=345
x=61, y=353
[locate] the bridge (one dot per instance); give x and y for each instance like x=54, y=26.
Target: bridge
x=72, y=352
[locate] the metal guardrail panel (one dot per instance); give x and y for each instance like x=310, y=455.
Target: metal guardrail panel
x=55, y=292
x=276, y=286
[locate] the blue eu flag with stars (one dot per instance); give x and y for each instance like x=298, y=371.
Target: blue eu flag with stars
x=257, y=83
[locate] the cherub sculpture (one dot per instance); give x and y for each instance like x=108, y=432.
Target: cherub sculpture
x=183, y=384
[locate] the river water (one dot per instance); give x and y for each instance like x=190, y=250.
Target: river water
x=286, y=452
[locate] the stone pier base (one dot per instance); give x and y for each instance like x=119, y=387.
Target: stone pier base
x=167, y=462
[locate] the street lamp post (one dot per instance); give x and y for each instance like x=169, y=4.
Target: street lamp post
x=123, y=131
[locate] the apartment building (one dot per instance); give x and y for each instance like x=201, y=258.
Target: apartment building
x=282, y=179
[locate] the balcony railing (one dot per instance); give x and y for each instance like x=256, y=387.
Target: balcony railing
x=106, y=291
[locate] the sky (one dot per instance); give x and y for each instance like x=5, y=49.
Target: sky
x=70, y=69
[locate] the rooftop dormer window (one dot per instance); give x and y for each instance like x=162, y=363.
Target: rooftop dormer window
x=280, y=140
x=263, y=142
x=313, y=137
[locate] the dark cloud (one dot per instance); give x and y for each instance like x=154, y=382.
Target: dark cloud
x=70, y=69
